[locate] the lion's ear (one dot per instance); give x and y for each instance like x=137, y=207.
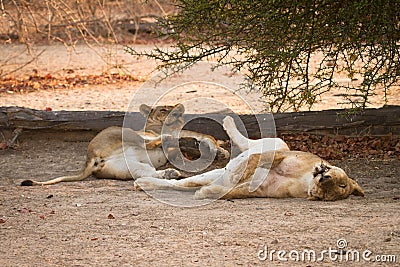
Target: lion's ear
x=357, y=191
x=179, y=109
x=145, y=110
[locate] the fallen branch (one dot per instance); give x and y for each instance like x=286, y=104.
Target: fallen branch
x=374, y=122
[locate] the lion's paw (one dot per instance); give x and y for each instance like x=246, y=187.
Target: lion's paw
x=136, y=186
x=210, y=192
x=171, y=174
x=320, y=169
x=199, y=195
x=228, y=123
x=144, y=184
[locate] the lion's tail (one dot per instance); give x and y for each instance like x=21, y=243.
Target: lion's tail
x=89, y=168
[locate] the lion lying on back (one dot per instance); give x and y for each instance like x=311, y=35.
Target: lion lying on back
x=139, y=154
x=265, y=168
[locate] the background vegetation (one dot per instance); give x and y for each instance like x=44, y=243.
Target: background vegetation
x=72, y=21
x=95, y=23
x=275, y=42
x=292, y=51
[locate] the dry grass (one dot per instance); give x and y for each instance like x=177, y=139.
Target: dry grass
x=72, y=21
x=93, y=22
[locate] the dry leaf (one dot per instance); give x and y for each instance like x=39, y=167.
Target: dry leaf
x=3, y=145
x=35, y=82
x=24, y=210
x=36, y=85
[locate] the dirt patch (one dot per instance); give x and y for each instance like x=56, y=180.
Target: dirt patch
x=106, y=223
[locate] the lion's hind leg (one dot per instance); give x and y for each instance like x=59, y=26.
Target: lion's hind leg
x=187, y=184
x=213, y=191
x=244, y=143
x=237, y=138
x=216, y=191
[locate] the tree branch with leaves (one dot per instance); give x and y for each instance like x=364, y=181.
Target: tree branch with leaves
x=273, y=43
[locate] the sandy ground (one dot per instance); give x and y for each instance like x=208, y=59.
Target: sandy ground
x=106, y=223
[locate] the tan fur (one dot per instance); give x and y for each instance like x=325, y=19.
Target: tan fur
x=138, y=155
x=265, y=168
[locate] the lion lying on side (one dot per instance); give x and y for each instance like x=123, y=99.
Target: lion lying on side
x=140, y=153
x=265, y=168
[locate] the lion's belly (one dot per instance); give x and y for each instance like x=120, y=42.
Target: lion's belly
x=132, y=163
x=114, y=168
x=154, y=157
x=157, y=157
x=280, y=186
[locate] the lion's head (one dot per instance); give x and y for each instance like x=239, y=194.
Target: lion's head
x=158, y=117
x=332, y=183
